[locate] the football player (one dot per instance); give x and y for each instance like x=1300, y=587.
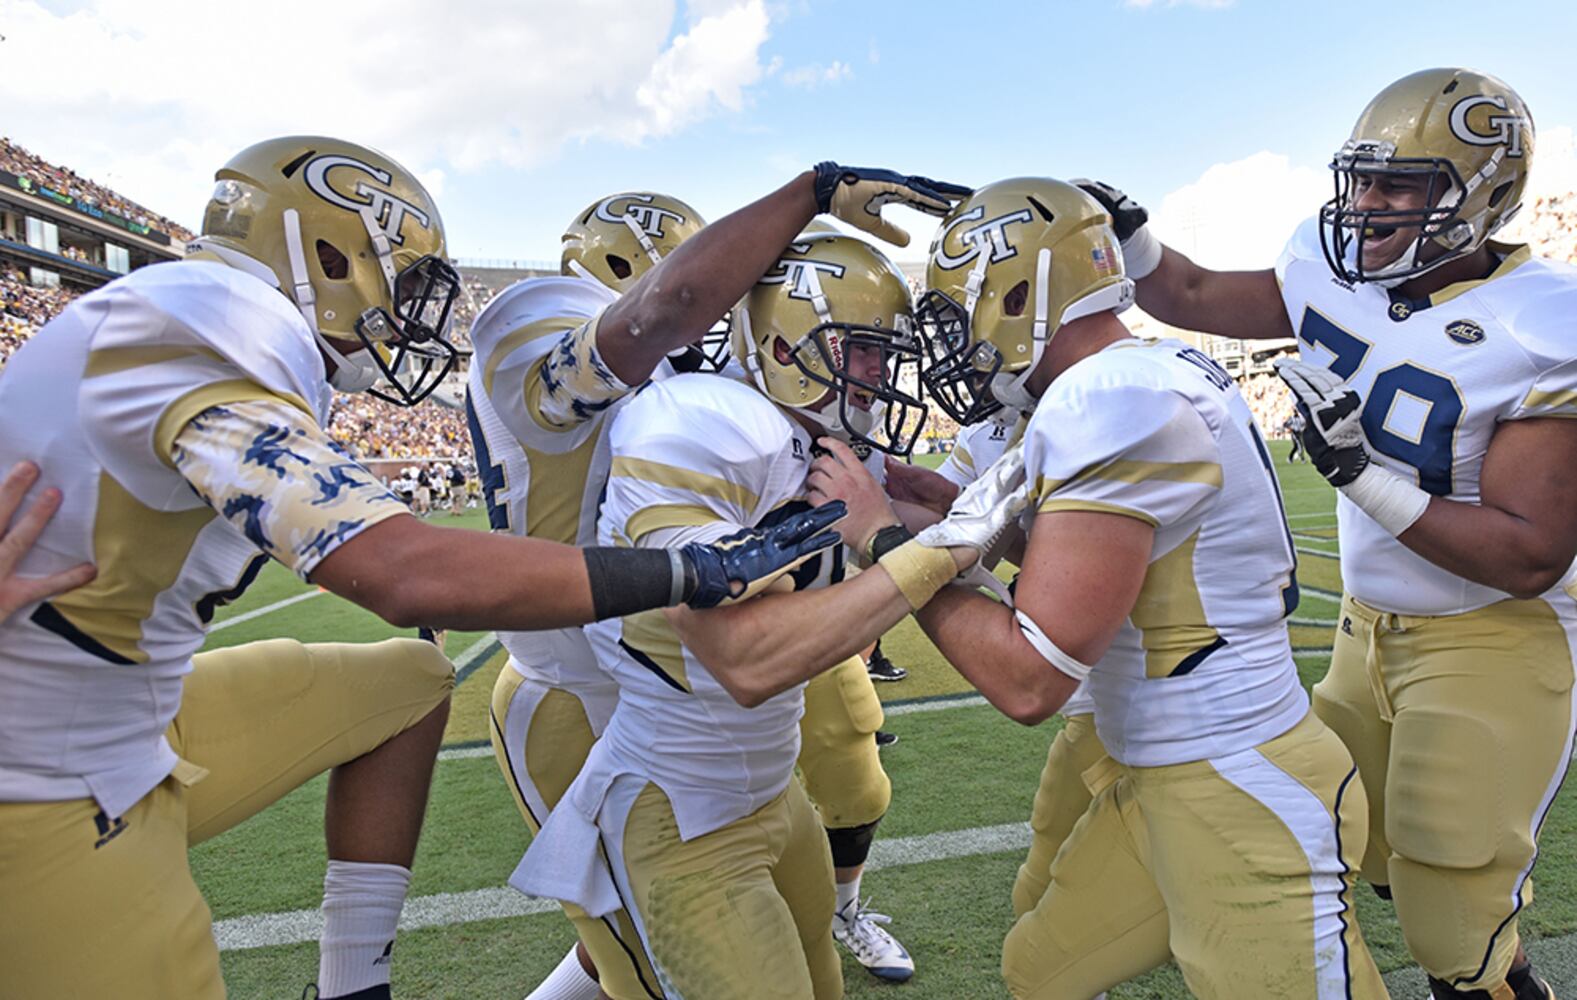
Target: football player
x=1438, y=383
x=704, y=835
x=538, y=407
x=1224, y=824
x=556, y=359
x=179, y=411
x=16, y=539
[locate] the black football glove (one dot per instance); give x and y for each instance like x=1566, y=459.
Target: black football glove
x=857, y=194
x=1332, y=415
x=752, y=559
x=1128, y=216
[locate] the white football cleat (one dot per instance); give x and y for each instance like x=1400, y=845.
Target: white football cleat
x=859, y=930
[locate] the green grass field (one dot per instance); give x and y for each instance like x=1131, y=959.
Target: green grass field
x=963, y=778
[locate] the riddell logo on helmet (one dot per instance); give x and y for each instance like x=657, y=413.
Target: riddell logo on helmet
x=991, y=233
x=388, y=211
x=1503, y=129
x=648, y=216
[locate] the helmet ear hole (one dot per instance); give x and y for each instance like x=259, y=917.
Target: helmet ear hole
x=619, y=266
x=1016, y=299
x=1499, y=194
x=781, y=351
x=335, y=265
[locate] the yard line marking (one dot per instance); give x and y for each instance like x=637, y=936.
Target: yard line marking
x=266, y=609
x=262, y=930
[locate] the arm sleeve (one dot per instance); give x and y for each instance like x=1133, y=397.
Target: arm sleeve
x=1134, y=450
x=279, y=480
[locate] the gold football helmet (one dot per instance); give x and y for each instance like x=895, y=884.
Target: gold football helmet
x=356, y=242
x=1009, y=266
x=621, y=237
x=828, y=332
x=1466, y=134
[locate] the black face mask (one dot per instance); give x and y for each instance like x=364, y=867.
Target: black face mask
x=956, y=373
x=903, y=414
x=1344, y=228
x=424, y=295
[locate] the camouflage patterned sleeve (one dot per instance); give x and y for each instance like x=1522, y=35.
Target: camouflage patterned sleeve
x=269, y=470
x=573, y=384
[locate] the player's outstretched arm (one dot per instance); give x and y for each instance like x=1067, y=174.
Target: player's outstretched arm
x=1520, y=537
x=1175, y=290
x=677, y=301
x=17, y=538
x=412, y=573
x=1082, y=574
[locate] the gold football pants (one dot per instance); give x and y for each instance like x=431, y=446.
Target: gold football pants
x=1239, y=867
x=1063, y=796
x=838, y=759
x=94, y=906
x=741, y=913
x=1461, y=726
x=552, y=736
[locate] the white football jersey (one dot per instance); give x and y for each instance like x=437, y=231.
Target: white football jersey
x=92, y=678
x=978, y=445
x=1203, y=665
x=1436, y=377
x=540, y=478
x=712, y=454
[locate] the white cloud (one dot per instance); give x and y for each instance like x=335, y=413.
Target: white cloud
x=162, y=93
x=1240, y=214
x=815, y=74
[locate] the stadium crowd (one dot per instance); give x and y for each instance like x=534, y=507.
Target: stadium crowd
x=24, y=308
x=19, y=161
x=371, y=428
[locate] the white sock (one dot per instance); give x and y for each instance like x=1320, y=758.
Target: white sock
x=567, y=982
x=848, y=892
x=361, y=909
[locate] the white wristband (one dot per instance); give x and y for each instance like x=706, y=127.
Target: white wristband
x=1392, y=501
x=1141, y=253
x=1049, y=650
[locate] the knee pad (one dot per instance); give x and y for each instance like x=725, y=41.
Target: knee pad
x=851, y=845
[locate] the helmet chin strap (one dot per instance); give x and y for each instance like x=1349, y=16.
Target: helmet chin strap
x=645, y=241
x=350, y=374
x=1393, y=274
x=582, y=272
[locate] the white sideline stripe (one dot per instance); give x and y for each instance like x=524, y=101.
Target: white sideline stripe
x=263, y=930
x=266, y=609
x=472, y=651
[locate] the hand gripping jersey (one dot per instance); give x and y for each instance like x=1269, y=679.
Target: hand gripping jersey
x=92, y=678
x=1203, y=665
x=1436, y=377
x=979, y=446
x=539, y=404
x=703, y=456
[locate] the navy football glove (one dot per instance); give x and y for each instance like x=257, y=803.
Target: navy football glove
x=1128, y=216
x=755, y=558
x=857, y=194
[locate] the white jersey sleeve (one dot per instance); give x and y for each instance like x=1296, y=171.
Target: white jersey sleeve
x=978, y=446
x=1133, y=449
x=1545, y=327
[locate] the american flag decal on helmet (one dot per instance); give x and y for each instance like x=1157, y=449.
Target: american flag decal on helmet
x=1105, y=260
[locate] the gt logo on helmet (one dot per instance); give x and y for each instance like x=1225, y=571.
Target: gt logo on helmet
x=648, y=217
x=991, y=233
x=1505, y=128
x=801, y=277
x=388, y=210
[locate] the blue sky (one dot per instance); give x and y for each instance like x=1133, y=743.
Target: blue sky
x=521, y=113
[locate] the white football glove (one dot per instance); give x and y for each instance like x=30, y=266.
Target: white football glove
x=1334, y=438
x=985, y=508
